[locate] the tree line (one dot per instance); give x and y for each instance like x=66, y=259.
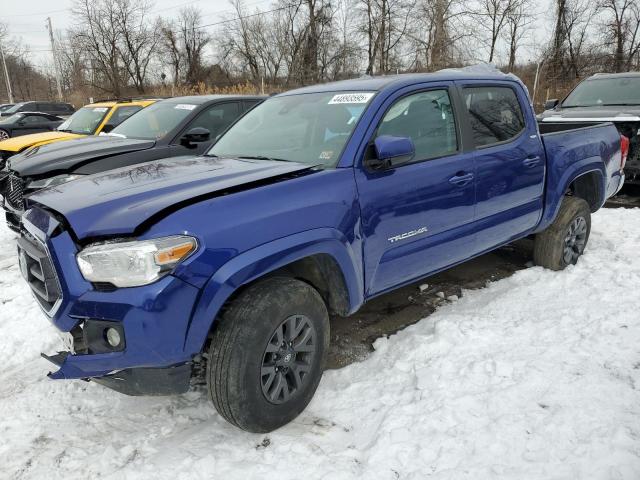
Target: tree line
x=120, y=48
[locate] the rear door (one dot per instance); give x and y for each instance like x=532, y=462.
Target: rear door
x=416, y=217
x=509, y=160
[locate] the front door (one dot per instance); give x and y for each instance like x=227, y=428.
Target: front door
x=416, y=218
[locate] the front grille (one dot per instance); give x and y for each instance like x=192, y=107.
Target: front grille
x=38, y=270
x=14, y=191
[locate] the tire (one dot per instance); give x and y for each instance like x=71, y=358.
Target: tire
x=246, y=360
x=564, y=241
x=4, y=134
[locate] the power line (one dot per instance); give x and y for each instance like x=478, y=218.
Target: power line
x=235, y=19
x=39, y=13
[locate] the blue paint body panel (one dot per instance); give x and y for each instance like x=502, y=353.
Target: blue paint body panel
x=383, y=229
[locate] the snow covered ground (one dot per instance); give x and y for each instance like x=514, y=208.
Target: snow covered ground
x=534, y=377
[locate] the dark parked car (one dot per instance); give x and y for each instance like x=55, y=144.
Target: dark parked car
x=52, y=108
x=6, y=106
x=169, y=128
x=604, y=97
x=27, y=122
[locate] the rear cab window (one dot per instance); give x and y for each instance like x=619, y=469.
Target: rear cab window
x=495, y=114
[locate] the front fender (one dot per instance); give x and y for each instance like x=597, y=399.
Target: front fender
x=266, y=258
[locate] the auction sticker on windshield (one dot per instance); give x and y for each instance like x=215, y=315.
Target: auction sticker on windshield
x=185, y=106
x=362, y=97
x=100, y=109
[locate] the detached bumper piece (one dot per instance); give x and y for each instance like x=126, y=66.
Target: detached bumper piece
x=172, y=380
x=149, y=381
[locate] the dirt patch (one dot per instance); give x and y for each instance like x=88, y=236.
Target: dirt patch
x=352, y=337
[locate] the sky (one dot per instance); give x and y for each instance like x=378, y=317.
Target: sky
x=27, y=18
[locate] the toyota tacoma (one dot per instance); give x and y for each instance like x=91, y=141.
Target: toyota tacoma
x=223, y=269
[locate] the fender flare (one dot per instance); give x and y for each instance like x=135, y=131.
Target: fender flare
x=266, y=258
x=554, y=196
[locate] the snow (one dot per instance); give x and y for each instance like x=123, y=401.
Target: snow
x=532, y=377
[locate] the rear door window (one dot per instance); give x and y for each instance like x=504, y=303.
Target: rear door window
x=495, y=114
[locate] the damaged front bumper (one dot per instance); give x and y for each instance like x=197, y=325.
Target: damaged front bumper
x=171, y=380
x=151, y=321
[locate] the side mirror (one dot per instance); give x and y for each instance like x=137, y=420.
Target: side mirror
x=551, y=104
x=195, y=135
x=391, y=152
x=107, y=128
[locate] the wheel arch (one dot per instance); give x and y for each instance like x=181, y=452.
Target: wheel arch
x=321, y=257
x=585, y=180
x=589, y=186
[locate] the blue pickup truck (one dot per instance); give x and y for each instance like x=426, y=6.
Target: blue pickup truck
x=223, y=269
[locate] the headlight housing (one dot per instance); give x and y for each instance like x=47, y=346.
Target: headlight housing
x=52, y=182
x=136, y=263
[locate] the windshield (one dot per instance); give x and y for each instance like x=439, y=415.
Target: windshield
x=85, y=121
x=12, y=119
x=15, y=108
x=310, y=128
x=155, y=121
x=605, y=91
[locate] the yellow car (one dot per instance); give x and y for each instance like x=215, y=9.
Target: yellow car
x=89, y=120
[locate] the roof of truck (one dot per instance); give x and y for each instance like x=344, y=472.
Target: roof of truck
x=199, y=99
x=613, y=75
x=377, y=83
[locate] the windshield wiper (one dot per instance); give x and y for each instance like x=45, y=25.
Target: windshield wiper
x=261, y=157
x=620, y=104
x=65, y=130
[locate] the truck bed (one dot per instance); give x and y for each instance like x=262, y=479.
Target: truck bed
x=568, y=145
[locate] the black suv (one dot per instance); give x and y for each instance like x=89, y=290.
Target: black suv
x=169, y=128
x=604, y=97
x=58, y=109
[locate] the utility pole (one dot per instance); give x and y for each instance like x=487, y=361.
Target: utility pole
x=6, y=75
x=55, y=58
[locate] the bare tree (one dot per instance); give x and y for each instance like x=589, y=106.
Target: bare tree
x=385, y=25
x=194, y=40
x=519, y=22
x=493, y=17
x=621, y=31
x=138, y=38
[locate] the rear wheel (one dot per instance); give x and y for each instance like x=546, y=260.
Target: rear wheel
x=267, y=354
x=564, y=241
x=4, y=134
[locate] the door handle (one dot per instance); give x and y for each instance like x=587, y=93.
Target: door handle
x=461, y=179
x=531, y=162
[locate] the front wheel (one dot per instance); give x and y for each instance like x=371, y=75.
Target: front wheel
x=564, y=241
x=267, y=354
x=4, y=134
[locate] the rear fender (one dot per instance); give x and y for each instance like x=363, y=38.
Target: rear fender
x=258, y=262
x=558, y=184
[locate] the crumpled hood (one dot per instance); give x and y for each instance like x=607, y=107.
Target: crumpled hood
x=625, y=113
x=118, y=201
x=62, y=156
